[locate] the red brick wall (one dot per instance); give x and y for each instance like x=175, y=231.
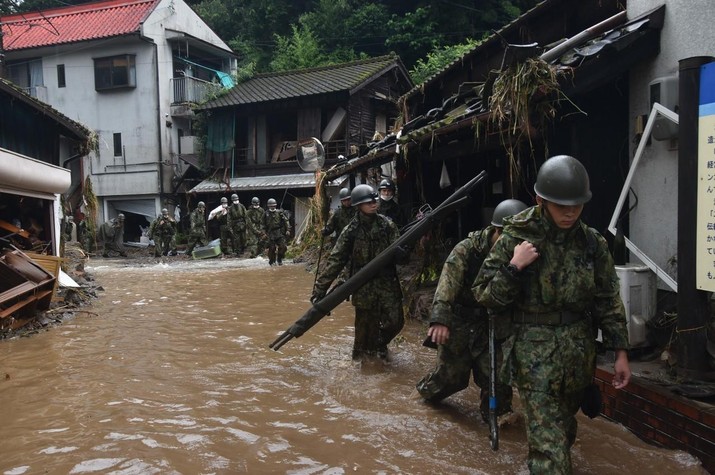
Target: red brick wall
x=661, y=417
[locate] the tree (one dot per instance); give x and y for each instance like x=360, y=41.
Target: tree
x=301, y=50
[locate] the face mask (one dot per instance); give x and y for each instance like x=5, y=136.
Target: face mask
x=235, y=202
x=224, y=205
x=272, y=210
x=386, y=197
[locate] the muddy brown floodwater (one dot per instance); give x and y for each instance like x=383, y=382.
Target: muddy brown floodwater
x=174, y=376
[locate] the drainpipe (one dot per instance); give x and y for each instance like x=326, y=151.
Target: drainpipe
x=693, y=304
x=159, y=117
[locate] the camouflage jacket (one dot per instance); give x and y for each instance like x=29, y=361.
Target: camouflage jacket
x=339, y=219
x=198, y=222
x=254, y=219
x=361, y=241
x=574, y=272
x=237, y=216
x=162, y=226
x=276, y=223
x=454, y=304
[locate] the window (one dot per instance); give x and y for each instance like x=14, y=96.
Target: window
x=26, y=74
x=61, y=75
x=115, y=72
x=117, y=145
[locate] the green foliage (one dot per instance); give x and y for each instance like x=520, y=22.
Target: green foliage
x=301, y=50
x=261, y=31
x=438, y=59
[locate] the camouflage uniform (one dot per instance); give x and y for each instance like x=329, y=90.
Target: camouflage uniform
x=467, y=349
x=237, y=227
x=277, y=228
x=162, y=231
x=112, y=234
x=255, y=231
x=392, y=210
x=197, y=233
x=221, y=215
x=572, y=288
x=378, y=303
x=339, y=219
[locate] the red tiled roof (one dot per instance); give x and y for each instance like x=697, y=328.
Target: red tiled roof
x=89, y=21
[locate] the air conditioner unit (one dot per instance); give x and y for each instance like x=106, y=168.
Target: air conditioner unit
x=665, y=92
x=638, y=292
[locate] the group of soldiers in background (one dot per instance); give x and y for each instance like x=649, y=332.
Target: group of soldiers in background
x=243, y=231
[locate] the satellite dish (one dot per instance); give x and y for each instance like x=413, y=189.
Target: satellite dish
x=310, y=155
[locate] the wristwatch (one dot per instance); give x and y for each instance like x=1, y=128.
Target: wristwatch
x=512, y=270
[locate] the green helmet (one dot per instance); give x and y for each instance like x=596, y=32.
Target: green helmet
x=224, y=200
x=120, y=217
x=344, y=194
x=271, y=203
x=362, y=194
x=505, y=209
x=165, y=212
x=563, y=180
x=201, y=204
x=234, y=197
x=255, y=201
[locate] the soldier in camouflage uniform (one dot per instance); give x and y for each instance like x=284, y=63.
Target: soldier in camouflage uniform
x=378, y=304
x=254, y=225
x=237, y=225
x=112, y=235
x=162, y=231
x=341, y=216
x=277, y=228
x=220, y=213
x=197, y=234
x=459, y=325
x=556, y=278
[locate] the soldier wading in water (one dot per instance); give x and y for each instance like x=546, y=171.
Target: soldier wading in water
x=459, y=325
x=378, y=303
x=556, y=279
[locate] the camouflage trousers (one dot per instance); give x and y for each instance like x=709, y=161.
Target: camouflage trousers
x=225, y=237
x=238, y=239
x=163, y=244
x=466, y=351
x=375, y=328
x=276, y=249
x=196, y=238
x=253, y=241
x=112, y=245
x=551, y=430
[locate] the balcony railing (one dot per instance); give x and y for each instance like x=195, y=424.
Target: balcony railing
x=188, y=89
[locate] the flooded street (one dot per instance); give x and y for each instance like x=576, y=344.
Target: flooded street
x=172, y=373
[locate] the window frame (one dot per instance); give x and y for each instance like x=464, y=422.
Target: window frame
x=61, y=77
x=110, y=74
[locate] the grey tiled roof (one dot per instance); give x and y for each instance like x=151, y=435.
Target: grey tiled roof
x=306, y=82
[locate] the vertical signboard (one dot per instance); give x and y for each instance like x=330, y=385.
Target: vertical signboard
x=705, y=238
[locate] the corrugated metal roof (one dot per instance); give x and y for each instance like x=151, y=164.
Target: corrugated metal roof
x=89, y=21
x=299, y=180
x=306, y=82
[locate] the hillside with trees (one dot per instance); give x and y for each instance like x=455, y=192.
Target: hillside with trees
x=278, y=35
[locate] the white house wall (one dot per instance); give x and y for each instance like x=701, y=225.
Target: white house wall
x=687, y=32
x=131, y=112
x=141, y=114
